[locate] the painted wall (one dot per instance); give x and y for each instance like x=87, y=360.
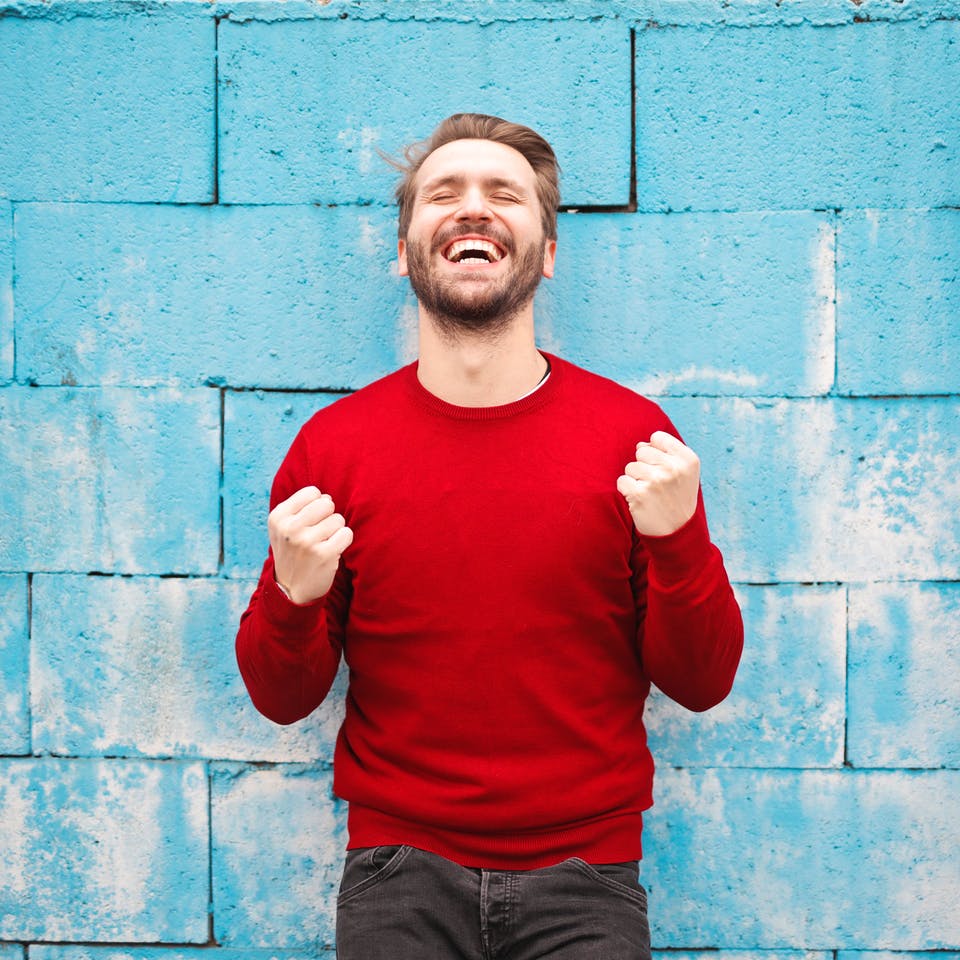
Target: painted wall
x=196, y=244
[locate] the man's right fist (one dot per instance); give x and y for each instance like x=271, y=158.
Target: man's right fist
x=307, y=538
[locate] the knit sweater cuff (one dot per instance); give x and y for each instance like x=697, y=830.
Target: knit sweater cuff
x=680, y=556
x=282, y=613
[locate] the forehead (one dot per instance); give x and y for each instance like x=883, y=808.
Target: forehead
x=477, y=160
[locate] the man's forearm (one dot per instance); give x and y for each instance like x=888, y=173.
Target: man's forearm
x=692, y=634
x=285, y=653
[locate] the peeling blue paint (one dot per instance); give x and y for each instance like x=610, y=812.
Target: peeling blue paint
x=138, y=667
x=281, y=142
x=258, y=431
x=732, y=304
x=103, y=850
x=787, y=708
x=6, y=290
x=117, y=109
x=898, y=319
x=830, y=490
x=278, y=844
x=116, y=480
x=14, y=667
x=904, y=674
x=137, y=294
x=777, y=859
x=803, y=118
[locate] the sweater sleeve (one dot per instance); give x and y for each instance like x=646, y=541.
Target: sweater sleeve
x=690, y=627
x=288, y=653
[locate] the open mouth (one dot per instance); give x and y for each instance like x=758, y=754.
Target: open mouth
x=473, y=250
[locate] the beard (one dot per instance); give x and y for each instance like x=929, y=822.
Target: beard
x=472, y=303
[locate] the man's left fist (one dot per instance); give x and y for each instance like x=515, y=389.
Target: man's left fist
x=661, y=485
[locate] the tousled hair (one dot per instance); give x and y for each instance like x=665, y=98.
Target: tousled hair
x=479, y=126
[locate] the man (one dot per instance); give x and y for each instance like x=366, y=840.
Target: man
x=504, y=591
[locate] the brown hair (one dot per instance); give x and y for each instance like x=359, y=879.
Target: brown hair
x=478, y=126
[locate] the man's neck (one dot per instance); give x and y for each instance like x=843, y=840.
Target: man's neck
x=478, y=371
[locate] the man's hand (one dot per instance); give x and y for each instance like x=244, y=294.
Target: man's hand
x=307, y=538
x=661, y=485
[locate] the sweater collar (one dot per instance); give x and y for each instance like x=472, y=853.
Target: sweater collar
x=532, y=401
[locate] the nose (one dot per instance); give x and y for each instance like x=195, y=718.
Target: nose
x=474, y=206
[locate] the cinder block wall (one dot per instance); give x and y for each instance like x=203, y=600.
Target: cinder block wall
x=196, y=244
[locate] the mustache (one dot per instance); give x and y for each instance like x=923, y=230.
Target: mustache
x=449, y=234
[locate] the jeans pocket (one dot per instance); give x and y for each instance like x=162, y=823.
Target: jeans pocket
x=364, y=868
x=623, y=877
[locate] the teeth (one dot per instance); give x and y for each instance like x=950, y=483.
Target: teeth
x=459, y=247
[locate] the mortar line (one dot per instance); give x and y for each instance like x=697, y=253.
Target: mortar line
x=29, y=700
x=146, y=575
x=223, y=420
x=632, y=200
x=216, y=110
x=239, y=388
x=111, y=945
x=211, y=936
x=13, y=290
x=836, y=304
x=296, y=768
x=846, y=677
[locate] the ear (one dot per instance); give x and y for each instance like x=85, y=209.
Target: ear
x=402, y=258
x=549, y=258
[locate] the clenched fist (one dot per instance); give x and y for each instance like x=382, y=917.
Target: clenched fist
x=307, y=538
x=661, y=485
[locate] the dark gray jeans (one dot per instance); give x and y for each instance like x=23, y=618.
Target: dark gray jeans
x=401, y=903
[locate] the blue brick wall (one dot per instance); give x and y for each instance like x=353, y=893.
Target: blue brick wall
x=761, y=229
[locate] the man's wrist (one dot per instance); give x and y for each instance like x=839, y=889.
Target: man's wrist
x=283, y=589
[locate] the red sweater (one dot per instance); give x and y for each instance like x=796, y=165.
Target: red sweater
x=500, y=616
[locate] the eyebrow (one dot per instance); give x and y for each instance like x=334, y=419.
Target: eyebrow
x=458, y=180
